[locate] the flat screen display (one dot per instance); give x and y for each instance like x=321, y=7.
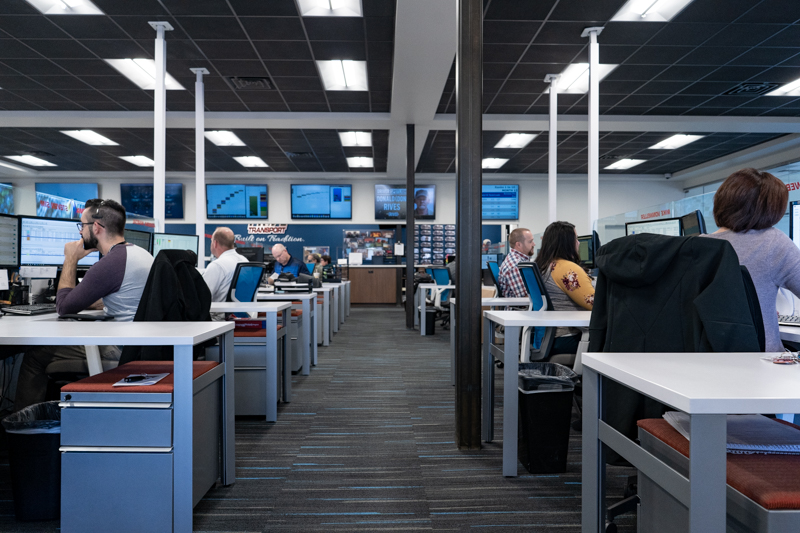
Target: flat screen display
x=425, y=202
x=42, y=241
x=485, y=258
x=142, y=239
x=52, y=206
x=666, y=226
x=236, y=201
x=137, y=199
x=171, y=241
x=6, y=199
x=322, y=202
x=500, y=202
x=72, y=191
x=585, y=250
x=9, y=241
x=391, y=202
x=794, y=222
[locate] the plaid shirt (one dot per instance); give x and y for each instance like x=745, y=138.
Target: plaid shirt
x=510, y=281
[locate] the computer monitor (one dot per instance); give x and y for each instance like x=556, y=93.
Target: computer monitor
x=171, y=241
x=9, y=241
x=664, y=226
x=586, y=250
x=485, y=258
x=693, y=224
x=142, y=239
x=254, y=254
x=794, y=222
x=42, y=242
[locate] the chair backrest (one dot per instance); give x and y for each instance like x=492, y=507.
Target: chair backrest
x=543, y=338
x=494, y=271
x=310, y=267
x=442, y=277
x=245, y=282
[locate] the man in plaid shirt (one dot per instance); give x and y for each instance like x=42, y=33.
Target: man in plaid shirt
x=520, y=242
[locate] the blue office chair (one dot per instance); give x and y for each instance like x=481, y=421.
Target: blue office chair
x=244, y=285
x=494, y=271
x=536, y=344
x=441, y=276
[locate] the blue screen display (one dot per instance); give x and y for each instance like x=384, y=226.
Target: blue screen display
x=322, y=202
x=71, y=191
x=500, y=202
x=137, y=199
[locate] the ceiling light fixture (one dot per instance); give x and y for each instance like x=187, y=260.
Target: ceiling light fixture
x=676, y=141
x=139, y=160
x=359, y=162
x=251, y=161
x=650, y=10
x=224, y=138
x=515, y=140
x=493, y=162
x=790, y=89
x=343, y=75
x=142, y=72
x=575, y=78
x=13, y=167
x=31, y=160
x=330, y=8
x=356, y=138
x=624, y=164
x=90, y=137
x=66, y=7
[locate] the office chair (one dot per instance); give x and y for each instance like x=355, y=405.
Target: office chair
x=536, y=342
x=310, y=267
x=441, y=300
x=494, y=271
x=244, y=284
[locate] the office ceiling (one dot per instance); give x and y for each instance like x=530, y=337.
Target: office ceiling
x=711, y=64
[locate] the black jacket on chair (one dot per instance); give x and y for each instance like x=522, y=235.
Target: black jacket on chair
x=657, y=293
x=175, y=292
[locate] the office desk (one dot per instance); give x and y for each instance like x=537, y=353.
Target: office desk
x=347, y=287
x=336, y=291
x=308, y=335
x=707, y=386
x=421, y=301
x=509, y=354
x=183, y=336
x=790, y=333
x=327, y=311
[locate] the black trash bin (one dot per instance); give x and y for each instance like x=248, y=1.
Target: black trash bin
x=34, y=435
x=430, y=321
x=545, y=409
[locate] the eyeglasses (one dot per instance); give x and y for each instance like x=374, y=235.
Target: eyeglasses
x=82, y=224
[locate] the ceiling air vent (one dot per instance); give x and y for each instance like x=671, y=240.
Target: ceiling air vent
x=299, y=155
x=752, y=88
x=242, y=83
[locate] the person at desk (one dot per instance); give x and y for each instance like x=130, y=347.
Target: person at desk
x=568, y=285
x=219, y=273
x=285, y=262
x=520, y=242
x=746, y=207
x=116, y=281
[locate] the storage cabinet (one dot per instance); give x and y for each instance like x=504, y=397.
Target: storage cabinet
x=373, y=285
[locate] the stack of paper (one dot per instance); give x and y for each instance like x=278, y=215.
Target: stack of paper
x=748, y=433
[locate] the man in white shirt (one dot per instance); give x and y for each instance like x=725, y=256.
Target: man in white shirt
x=219, y=273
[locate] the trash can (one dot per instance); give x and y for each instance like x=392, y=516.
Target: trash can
x=34, y=435
x=545, y=410
x=430, y=321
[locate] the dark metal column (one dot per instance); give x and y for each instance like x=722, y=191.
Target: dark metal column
x=410, y=227
x=469, y=107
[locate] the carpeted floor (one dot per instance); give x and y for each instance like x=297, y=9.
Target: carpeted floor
x=368, y=445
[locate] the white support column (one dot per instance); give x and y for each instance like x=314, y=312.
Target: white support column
x=200, y=162
x=552, y=151
x=160, y=126
x=594, y=122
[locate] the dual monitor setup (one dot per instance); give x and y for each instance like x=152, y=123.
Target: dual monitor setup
x=687, y=225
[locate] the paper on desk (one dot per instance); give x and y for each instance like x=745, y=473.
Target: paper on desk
x=152, y=379
x=748, y=434
x=3, y=279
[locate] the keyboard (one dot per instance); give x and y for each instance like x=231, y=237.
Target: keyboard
x=32, y=309
x=789, y=320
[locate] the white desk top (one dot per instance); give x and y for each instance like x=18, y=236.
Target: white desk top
x=501, y=301
x=575, y=319
x=705, y=383
x=790, y=333
x=36, y=333
x=249, y=307
x=268, y=295
x=435, y=286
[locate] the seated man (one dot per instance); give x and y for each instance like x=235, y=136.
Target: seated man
x=115, y=282
x=284, y=262
x=219, y=273
x=520, y=242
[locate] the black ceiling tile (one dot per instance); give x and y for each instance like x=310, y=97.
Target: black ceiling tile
x=626, y=110
x=60, y=105
x=506, y=109
x=59, y=48
x=497, y=70
x=248, y=97
x=227, y=106
x=781, y=112
x=334, y=28
x=378, y=8
x=520, y=32
x=727, y=101
x=240, y=68
x=297, y=84
x=767, y=57
x=627, y=33
x=18, y=83
x=31, y=27
x=489, y=86
x=113, y=49
x=516, y=10
x=15, y=49
x=380, y=50
x=381, y=107
x=197, y=7
x=534, y=72
x=329, y=50
x=80, y=96
x=380, y=28
x=380, y=69
x=134, y=95
x=685, y=101
x=291, y=68
x=273, y=8
x=348, y=97
x=551, y=53
x=663, y=87
x=735, y=74
x=502, y=53
x=788, y=36
x=316, y=97
x=708, y=88
x=682, y=73
x=506, y=99
x=687, y=34
x=9, y=96
x=130, y=7
x=712, y=55
x=89, y=27
x=518, y=86
x=220, y=28
x=772, y=12
x=80, y=67
x=700, y=111
x=283, y=50
x=658, y=55
x=745, y=35
x=614, y=55
x=779, y=75
x=105, y=105
x=138, y=27
x=562, y=33
x=608, y=100
x=242, y=50
x=105, y=82
x=180, y=106
x=726, y=11
x=619, y=87
x=745, y=111
x=634, y=73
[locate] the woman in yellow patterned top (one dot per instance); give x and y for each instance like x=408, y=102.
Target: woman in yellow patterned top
x=569, y=286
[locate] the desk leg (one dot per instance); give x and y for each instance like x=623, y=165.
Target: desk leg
x=228, y=411
x=453, y=322
x=707, y=473
x=326, y=318
x=335, y=293
x=593, y=480
x=488, y=382
x=182, y=440
x=273, y=384
x=308, y=322
x=342, y=304
x=423, y=299
x=312, y=305
x=416, y=306
x=286, y=360
x=347, y=292
x=510, y=400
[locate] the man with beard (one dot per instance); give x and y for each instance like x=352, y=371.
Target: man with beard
x=114, y=284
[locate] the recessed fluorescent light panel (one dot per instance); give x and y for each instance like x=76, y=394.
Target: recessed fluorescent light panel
x=330, y=8
x=31, y=160
x=624, y=164
x=515, y=140
x=676, y=141
x=356, y=138
x=650, y=10
x=493, y=162
x=66, y=7
x=90, y=137
x=359, y=162
x=790, y=89
x=142, y=72
x=346, y=75
x=224, y=138
x=251, y=161
x=575, y=78
x=139, y=160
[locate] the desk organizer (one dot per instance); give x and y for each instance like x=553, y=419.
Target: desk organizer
x=116, y=444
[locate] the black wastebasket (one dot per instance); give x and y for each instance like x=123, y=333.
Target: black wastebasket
x=34, y=435
x=545, y=409
x=430, y=321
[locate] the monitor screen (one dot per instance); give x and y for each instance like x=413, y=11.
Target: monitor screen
x=254, y=254
x=42, y=241
x=142, y=239
x=236, y=201
x=693, y=224
x=9, y=241
x=485, y=258
x=425, y=202
x=665, y=226
x=391, y=202
x=71, y=191
x=52, y=206
x=794, y=222
x=137, y=199
x=322, y=201
x=500, y=202
x=586, y=251
x=6, y=199
x=171, y=241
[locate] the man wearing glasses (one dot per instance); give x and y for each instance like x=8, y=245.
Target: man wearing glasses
x=284, y=262
x=114, y=284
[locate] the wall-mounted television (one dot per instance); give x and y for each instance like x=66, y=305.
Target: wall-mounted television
x=322, y=202
x=500, y=202
x=71, y=191
x=391, y=202
x=6, y=199
x=137, y=199
x=236, y=201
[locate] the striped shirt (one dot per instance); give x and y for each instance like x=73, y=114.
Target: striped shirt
x=511, y=284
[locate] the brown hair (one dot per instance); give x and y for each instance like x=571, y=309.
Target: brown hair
x=558, y=242
x=750, y=199
x=516, y=236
